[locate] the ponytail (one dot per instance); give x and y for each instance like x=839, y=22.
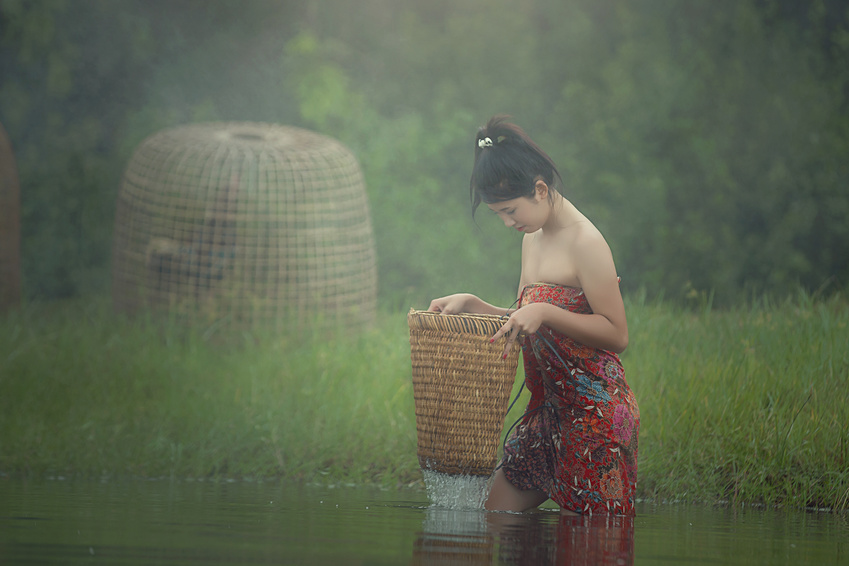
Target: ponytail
x=507, y=164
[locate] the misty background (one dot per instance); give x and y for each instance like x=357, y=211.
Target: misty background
x=707, y=139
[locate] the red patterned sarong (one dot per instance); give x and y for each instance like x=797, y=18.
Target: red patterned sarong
x=577, y=441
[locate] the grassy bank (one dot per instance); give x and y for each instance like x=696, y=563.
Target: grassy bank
x=84, y=393
x=746, y=405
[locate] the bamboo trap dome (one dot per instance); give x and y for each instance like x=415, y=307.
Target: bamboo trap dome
x=461, y=387
x=10, y=226
x=244, y=225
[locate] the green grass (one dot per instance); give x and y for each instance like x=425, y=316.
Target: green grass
x=83, y=392
x=745, y=405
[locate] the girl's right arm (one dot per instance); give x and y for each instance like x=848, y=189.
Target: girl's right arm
x=464, y=302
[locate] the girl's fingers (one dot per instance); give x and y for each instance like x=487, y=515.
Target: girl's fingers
x=511, y=333
x=503, y=331
x=498, y=334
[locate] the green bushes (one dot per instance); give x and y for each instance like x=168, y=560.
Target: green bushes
x=706, y=140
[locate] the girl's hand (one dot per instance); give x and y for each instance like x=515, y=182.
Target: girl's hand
x=522, y=322
x=452, y=304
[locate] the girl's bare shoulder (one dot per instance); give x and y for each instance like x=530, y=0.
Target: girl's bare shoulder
x=583, y=235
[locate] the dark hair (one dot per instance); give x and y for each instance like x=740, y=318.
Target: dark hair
x=508, y=164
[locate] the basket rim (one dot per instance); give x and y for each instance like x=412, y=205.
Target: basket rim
x=484, y=316
x=466, y=323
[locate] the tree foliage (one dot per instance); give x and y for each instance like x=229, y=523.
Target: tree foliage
x=707, y=139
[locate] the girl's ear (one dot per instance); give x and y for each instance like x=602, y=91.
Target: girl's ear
x=541, y=190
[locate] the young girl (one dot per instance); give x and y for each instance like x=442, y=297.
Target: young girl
x=577, y=442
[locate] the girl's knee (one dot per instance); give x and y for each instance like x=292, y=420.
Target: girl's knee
x=504, y=496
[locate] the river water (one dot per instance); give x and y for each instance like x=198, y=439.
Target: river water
x=60, y=521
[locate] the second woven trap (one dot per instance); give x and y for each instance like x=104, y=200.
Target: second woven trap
x=240, y=226
x=461, y=386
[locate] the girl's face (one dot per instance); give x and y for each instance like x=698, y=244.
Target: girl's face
x=525, y=214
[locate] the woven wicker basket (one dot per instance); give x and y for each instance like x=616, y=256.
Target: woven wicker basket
x=461, y=387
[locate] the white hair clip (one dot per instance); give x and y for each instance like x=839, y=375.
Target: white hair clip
x=486, y=142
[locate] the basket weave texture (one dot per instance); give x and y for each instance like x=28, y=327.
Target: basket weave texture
x=245, y=225
x=10, y=226
x=461, y=386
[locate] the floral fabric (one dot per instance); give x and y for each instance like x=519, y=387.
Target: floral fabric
x=577, y=441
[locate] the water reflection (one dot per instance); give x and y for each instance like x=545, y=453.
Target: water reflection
x=572, y=540
x=454, y=537
x=540, y=538
x=181, y=522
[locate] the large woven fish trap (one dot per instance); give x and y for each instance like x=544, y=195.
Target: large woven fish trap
x=245, y=226
x=461, y=386
x=10, y=226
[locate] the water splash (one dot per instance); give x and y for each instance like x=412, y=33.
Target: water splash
x=456, y=492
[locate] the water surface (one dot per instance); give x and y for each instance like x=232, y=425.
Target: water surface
x=189, y=522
